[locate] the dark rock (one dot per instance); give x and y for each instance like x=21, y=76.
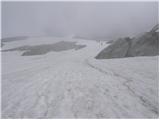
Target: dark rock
x=145, y=45
x=45, y=48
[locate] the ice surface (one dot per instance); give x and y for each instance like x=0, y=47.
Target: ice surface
x=72, y=84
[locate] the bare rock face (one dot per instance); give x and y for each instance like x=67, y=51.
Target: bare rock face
x=116, y=50
x=145, y=45
x=45, y=48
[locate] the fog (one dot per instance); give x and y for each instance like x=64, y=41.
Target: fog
x=95, y=20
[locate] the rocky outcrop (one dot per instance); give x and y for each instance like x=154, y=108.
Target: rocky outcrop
x=144, y=45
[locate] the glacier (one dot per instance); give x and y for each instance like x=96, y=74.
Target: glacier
x=73, y=84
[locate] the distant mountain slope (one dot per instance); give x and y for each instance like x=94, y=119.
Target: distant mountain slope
x=144, y=45
x=11, y=39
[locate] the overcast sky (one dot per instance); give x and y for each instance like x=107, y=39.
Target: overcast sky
x=86, y=19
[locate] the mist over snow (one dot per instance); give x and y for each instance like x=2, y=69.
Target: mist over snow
x=101, y=20
x=50, y=68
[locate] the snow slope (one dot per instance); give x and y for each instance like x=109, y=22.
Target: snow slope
x=72, y=84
